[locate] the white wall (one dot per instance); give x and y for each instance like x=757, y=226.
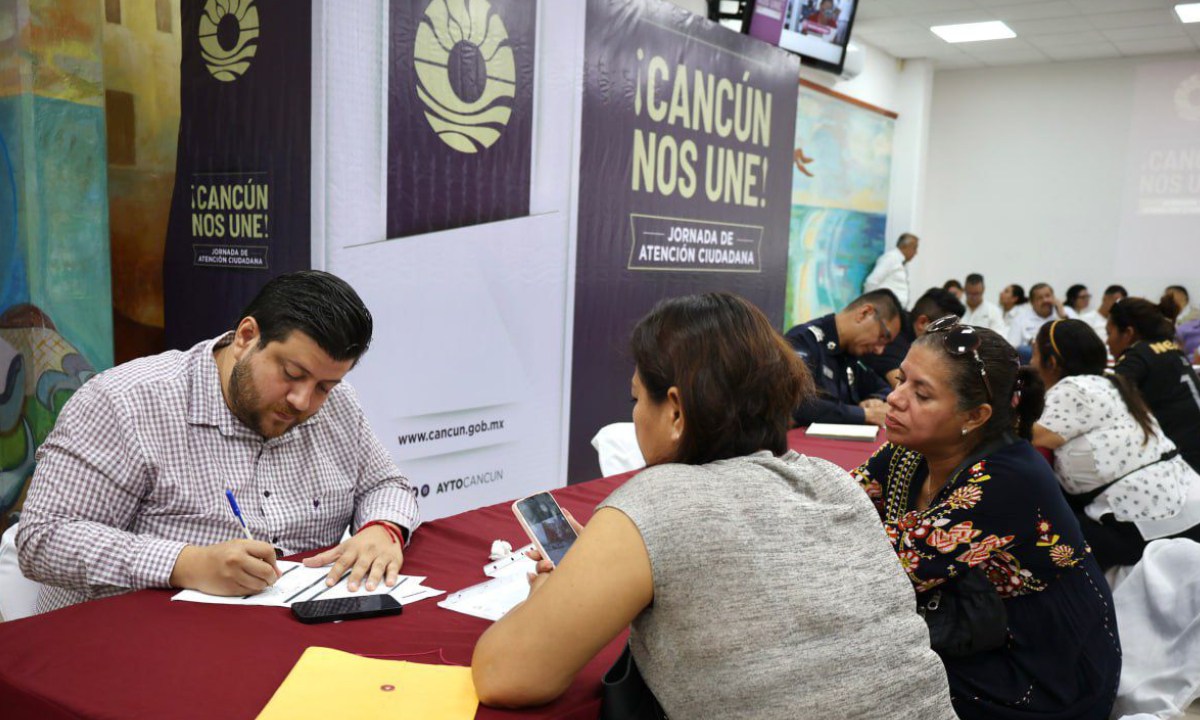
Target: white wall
x=1026, y=176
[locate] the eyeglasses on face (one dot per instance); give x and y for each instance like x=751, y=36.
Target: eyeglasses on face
x=885, y=335
x=960, y=340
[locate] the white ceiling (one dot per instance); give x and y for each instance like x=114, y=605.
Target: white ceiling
x=1047, y=30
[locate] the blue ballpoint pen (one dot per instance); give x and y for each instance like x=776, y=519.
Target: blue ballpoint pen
x=237, y=511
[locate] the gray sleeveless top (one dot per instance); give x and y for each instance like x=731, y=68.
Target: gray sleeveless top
x=776, y=595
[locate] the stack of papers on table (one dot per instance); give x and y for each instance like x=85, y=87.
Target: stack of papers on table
x=493, y=599
x=300, y=584
x=329, y=683
x=842, y=432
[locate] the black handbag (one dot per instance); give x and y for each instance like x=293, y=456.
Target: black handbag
x=965, y=615
x=626, y=696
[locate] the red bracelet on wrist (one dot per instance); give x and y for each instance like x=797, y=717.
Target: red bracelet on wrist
x=391, y=530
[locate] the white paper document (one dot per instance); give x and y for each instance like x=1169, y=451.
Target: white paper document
x=489, y=600
x=515, y=563
x=300, y=584
x=838, y=431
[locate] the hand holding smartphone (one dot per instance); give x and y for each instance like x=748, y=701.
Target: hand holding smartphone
x=546, y=525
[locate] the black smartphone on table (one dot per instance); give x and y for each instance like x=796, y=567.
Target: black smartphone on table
x=348, y=608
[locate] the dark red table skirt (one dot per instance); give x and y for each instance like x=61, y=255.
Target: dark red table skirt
x=140, y=656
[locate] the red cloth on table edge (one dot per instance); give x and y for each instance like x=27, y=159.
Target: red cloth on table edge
x=138, y=655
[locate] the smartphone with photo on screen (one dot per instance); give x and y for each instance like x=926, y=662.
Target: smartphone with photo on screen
x=546, y=525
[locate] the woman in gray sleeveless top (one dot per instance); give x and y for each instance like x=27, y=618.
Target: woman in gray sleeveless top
x=758, y=582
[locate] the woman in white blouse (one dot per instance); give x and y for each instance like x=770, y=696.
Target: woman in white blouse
x=1124, y=478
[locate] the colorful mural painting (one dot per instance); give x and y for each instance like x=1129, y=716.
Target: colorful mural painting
x=842, y=165
x=41, y=370
x=142, y=48
x=55, y=317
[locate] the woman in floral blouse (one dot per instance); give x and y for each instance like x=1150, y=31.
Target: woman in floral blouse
x=959, y=492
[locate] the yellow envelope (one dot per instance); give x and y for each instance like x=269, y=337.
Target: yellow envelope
x=328, y=683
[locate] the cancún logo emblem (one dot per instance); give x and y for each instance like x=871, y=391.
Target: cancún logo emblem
x=1187, y=99
x=228, y=37
x=466, y=75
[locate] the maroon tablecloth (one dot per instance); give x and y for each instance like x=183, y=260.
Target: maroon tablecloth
x=140, y=656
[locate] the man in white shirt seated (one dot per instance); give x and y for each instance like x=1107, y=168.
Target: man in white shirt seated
x=1098, y=318
x=1043, y=307
x=980, y=312
x=891, y=269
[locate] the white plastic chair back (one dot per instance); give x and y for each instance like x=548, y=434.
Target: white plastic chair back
x=18, y=594
x=1158, y=616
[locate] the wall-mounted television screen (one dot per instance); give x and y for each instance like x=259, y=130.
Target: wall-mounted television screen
x=816, y=30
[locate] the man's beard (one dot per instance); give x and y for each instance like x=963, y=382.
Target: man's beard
x=245, y=403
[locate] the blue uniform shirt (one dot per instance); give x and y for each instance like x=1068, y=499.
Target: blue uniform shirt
x=842, y=380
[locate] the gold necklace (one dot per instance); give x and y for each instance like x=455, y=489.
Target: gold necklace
x=925, y=498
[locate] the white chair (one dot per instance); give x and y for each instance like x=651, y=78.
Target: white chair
x=1158, y=615
x=18, y=594
x=618, y=449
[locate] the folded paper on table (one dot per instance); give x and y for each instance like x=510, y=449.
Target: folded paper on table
x=838, y=431
x=515, y=563
x=489, y=600
x=300, y=584
x=328, y=683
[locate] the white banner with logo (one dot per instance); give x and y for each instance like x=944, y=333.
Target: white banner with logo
x=464, y=380
x=1160, y=213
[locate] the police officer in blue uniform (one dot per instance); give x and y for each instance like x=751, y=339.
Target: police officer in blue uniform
x=849, y=392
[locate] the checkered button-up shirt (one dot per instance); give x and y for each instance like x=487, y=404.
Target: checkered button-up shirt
x=138, y=464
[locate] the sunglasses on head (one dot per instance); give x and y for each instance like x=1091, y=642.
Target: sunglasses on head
x=960, y=340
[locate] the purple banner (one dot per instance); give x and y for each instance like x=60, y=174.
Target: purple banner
x=684, y=186
x=240, y=211
x=460, y=113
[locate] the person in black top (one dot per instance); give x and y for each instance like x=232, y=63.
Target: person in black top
x=935, y=303
x=848, y=391
x=1141, y=335
x=962, y=494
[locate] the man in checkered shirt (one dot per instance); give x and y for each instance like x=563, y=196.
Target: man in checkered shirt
x=129, y=490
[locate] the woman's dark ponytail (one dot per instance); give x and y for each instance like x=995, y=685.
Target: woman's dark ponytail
x=1168, y=307
x=1136, y=404
x=1149, y=321
x=1031, y=402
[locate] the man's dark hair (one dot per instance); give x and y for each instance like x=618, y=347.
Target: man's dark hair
x=738, y=379
x=937, y=303
x=1180, y=288
x=1038, y=286
x=974, y=279
x=905, y=238
x=885, y=303
x=952, y=283
x=318, y=304
x=1116, y=289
